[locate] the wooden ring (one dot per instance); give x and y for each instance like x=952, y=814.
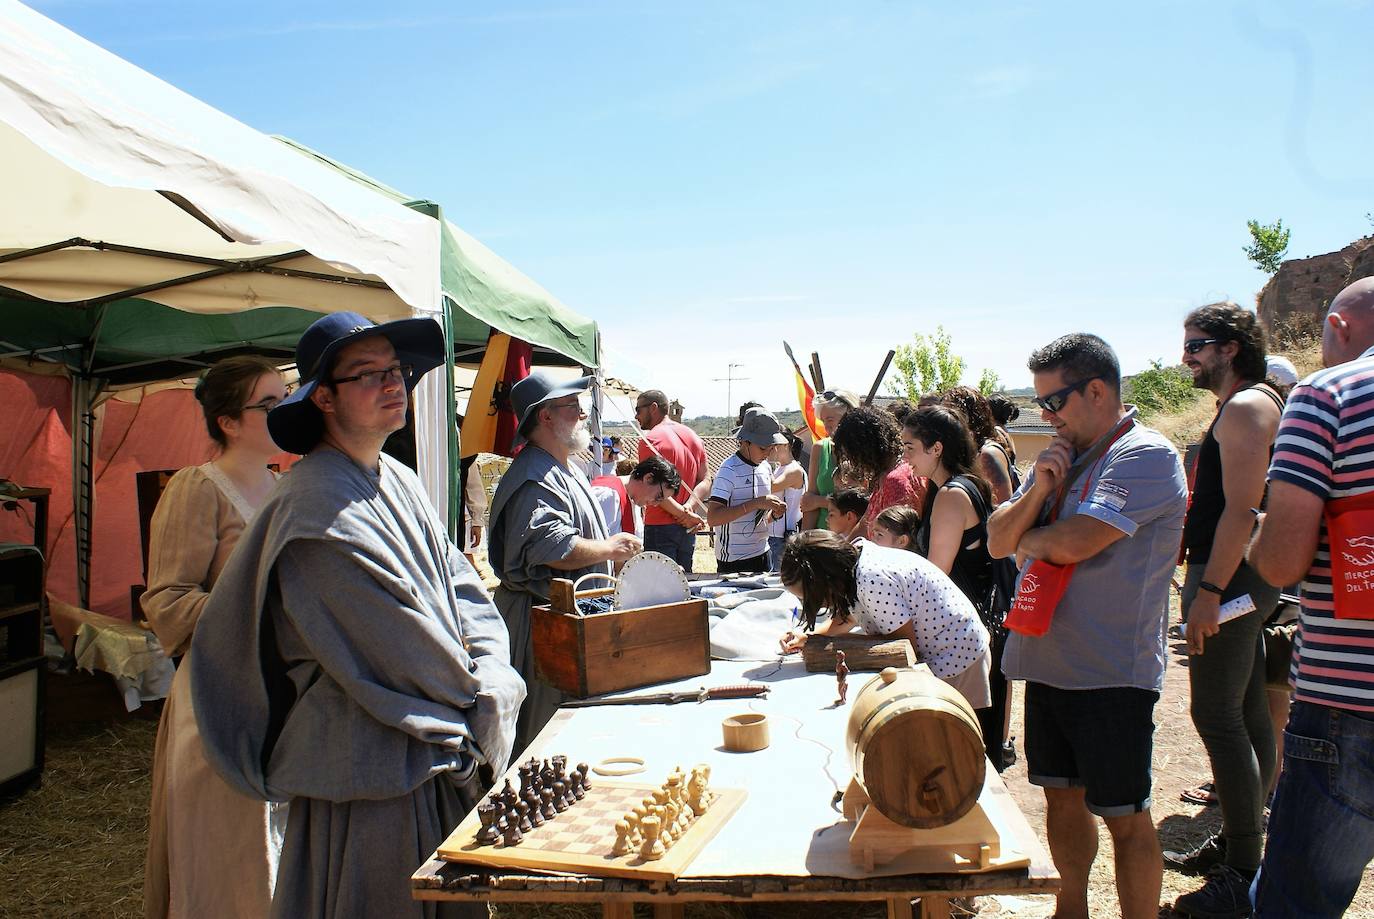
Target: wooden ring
x=631, y=765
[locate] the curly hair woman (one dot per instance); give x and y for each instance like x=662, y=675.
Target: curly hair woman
x=868, y=447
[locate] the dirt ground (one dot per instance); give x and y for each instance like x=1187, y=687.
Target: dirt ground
x=74, y=847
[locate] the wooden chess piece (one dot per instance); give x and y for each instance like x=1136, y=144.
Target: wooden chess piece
x=488, y=835
x=584, y=774
x=546, y=807
x=622, y=839
x=511, y=835
x=652, y=849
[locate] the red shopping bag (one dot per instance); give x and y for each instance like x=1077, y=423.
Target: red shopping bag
x=1040, y=590
x=1350, y=534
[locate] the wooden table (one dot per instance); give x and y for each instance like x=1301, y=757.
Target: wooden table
x=787, y=842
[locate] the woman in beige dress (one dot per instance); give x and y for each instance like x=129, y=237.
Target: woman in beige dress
x=211, y=850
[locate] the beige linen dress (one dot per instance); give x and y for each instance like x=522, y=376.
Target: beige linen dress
x=211, y=850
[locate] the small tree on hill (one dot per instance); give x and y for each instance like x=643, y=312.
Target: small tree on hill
x=1269, y=244
x=989, y=382
x=927, y=365
x=1160, y=390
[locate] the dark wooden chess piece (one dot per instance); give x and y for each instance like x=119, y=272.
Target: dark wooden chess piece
x=584, y=778
x=488, y=835
x=546, y=807
x=560, y=795
x=511, y=835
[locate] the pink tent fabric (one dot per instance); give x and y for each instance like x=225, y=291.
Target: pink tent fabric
x=163, y=430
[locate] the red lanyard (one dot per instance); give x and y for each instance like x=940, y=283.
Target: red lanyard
x=1096, y=457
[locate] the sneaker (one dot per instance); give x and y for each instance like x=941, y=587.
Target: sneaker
x=1199, y=860
x=1226, y=895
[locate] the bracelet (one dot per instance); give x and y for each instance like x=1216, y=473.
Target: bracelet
x=1210, y=588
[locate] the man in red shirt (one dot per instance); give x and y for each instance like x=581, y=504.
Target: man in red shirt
x=671, y=527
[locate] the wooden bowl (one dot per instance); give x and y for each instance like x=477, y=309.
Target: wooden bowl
x=745, y=733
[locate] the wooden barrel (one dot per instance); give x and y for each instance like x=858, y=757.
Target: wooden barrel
x=916, y=748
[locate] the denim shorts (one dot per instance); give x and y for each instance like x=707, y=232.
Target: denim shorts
x=1099, y=740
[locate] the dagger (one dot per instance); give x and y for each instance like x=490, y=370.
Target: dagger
x=738, y=691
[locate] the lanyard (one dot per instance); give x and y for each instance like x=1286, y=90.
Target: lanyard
x=1091, y=458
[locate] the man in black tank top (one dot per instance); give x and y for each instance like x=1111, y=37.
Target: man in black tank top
x=1223, y=346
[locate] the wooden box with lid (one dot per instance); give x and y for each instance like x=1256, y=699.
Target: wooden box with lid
x=619, y=649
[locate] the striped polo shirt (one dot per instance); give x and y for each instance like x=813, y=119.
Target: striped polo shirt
x=1326, y=446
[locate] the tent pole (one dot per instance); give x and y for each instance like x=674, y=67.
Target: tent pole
x=84, y=391
x=455, y=474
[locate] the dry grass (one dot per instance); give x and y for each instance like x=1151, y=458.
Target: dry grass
x=1187, y=426
x=75, y=846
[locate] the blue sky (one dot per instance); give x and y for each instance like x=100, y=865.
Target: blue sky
x=708, y=179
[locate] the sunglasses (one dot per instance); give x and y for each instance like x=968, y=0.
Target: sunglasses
x=1194, y=345
x=1055, y=400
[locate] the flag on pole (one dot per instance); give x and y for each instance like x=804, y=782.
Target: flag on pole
x=806, y=396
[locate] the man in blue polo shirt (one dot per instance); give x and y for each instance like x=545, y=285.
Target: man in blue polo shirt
x=1321, y=828
x=1093, y=678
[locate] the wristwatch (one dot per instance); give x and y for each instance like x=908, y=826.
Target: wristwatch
x=1210, y=588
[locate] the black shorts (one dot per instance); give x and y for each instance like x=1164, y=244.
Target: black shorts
x=756, y=565
x=1099, y=740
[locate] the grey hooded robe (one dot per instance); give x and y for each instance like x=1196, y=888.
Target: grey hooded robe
x=541, y=508
x=348, y=661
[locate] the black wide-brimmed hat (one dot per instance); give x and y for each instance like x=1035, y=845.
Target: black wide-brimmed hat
x=533, y=391
x=295, y=424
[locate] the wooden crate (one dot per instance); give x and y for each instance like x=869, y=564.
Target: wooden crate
x=623, y=649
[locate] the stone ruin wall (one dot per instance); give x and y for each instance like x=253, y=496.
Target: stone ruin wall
x=1306, y=285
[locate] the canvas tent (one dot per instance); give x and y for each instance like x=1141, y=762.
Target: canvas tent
x=146, y=234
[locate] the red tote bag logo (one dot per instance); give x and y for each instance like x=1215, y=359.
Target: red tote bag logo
x=1044, y=583
x=1350, y=533
x=1040, y=590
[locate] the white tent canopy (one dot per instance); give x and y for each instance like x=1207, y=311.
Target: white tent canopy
x=120, y=188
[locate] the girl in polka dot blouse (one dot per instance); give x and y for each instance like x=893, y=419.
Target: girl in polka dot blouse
x=889, y=593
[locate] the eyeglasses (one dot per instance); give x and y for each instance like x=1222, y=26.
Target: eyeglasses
x=1055, y=400
x=265, y=405
x=375, y=378
x=641, y=406
x=1194, y=345
x=558, y=407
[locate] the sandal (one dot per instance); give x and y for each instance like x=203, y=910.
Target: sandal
x=1204, y=794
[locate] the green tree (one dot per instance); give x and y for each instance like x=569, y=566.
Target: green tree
x=1160, y=390
x=989, y=382
x=1269, y=243
x=927, y=365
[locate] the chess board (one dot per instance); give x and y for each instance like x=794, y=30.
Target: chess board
x=579, y=840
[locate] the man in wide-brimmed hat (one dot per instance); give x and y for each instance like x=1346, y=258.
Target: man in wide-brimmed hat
x=545, y=523
x=350, y=662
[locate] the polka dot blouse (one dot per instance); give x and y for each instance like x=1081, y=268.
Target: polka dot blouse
x=896, y=587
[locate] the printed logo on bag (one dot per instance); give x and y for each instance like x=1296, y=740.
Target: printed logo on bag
x=1029, y=584
x=1358, y=572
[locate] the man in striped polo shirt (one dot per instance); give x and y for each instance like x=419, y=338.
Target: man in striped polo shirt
x=1321, y=830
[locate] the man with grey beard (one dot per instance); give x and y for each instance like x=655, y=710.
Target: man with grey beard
x=545, y=523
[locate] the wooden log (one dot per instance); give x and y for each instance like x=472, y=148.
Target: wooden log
x=861, y=653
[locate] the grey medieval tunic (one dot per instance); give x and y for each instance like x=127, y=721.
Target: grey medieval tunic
x=541, y=508
x=349, y=661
